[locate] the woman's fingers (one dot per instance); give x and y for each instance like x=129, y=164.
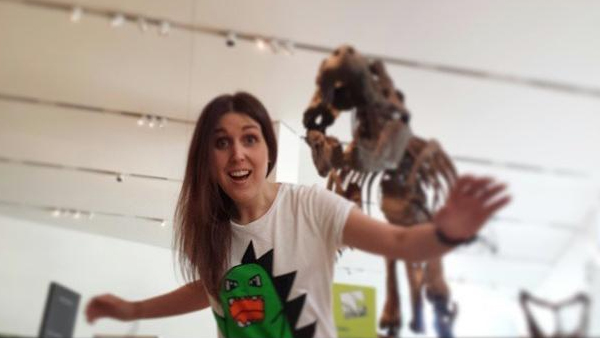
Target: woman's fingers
x=483, y=189
x=488, y=198
x=491, y=208
x=477, y=187
x=462, y=184
x=91, y=312
x=492, y=190
x=97, y=307
x=479, y=197
x=469, y=206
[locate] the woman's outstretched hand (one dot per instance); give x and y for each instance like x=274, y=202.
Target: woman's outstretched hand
x=471, y=202
x=109, y=306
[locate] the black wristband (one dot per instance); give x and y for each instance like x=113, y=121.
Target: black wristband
x=451, y=241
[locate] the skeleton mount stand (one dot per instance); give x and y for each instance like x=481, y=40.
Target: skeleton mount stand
x=526, y=300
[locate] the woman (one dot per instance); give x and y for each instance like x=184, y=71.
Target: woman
x=262, y=254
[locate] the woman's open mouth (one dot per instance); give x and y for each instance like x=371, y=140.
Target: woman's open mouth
x=240, y=175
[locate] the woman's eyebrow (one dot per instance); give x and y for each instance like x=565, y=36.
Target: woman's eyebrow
x=222, y=130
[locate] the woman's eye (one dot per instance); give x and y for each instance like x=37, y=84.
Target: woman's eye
x=250, y=139
x=221, y=143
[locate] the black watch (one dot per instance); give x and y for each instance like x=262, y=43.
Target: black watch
x=451, y=241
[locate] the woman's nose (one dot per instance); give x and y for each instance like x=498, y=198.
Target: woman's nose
x=237, y=151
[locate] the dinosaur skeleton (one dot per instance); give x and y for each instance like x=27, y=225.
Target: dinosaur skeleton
x=414, y=174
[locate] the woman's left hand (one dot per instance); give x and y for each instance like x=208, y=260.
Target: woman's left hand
x=470, y=204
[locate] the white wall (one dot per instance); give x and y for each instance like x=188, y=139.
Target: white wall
x=288, y=157
x=594, y=289
x=32, y=255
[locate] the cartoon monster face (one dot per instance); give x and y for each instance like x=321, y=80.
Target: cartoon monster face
x=254, y=302
x=248, y=295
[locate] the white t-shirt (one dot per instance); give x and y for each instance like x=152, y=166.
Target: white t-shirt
x=298, y=236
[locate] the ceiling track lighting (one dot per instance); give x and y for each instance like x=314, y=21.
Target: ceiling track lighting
x=56, y=213
x=260, y=43
x=78, y=214
x=142, y=24
x=162, y=122
x=289, y=48
x=117, y=20
x=151, y=121
x=275, y=46
x=142, y=118
x=71, y=213
x=231, y=39
x=76, y=14
x=164, y=28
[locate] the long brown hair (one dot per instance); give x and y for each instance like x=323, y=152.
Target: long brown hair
x=203, y=213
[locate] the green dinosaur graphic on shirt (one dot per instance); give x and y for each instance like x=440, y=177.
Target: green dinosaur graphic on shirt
x=254, y=302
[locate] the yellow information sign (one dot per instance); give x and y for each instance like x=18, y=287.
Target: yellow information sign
x=354, y=310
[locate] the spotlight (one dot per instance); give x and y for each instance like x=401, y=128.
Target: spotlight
x=76, y=14
x=260, y=44
x=162, y=122
x=120, y=178
x=142, y=24
x=117, y=20
x=141, y=121
x=163, y=223
x=164, y=28
x=76, y=215
x=231, y=39
x=151, y=121
x=56, y=213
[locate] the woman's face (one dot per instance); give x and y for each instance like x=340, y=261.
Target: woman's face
x=240, y=157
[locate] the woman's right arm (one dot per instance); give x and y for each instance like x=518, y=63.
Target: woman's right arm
x=470, y=204
x=188, y=298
